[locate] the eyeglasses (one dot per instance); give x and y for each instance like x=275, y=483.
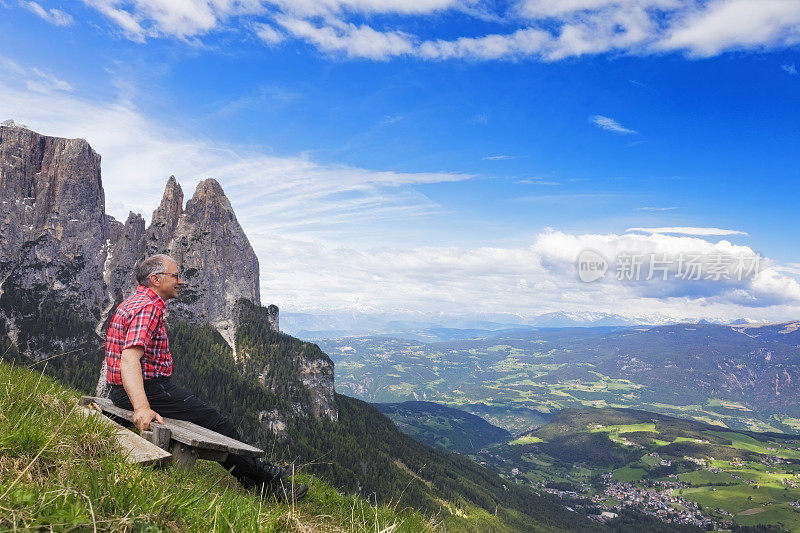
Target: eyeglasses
x=175, y=275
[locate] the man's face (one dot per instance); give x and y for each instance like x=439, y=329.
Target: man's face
x=167, y=284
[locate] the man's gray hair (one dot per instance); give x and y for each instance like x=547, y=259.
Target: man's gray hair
x=152, y=265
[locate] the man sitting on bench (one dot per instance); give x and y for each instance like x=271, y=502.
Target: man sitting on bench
x=140, y=365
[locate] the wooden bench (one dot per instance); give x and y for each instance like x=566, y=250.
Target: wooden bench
x=186, y=441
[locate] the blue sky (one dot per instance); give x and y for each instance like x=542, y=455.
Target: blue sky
x=435, y=129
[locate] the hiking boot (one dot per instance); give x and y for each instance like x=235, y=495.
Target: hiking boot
x=272, y=473
x=286, y=491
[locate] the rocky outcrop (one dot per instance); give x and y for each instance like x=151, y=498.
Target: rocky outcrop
x=65, y=265
x=296, y=371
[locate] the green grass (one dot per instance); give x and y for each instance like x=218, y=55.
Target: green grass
x=704, y=477
x=61, y=471
x=627, y=428
x=745, y=442
x=527, y=439
x=628, y=474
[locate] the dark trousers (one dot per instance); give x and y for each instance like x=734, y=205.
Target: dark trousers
x=171, y=401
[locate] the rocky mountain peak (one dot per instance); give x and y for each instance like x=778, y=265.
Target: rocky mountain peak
x=209, y=188
x=165, y=218
x=209, y=202
x=218, y=264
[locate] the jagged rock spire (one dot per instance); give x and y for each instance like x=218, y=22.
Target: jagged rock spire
x=212, y=251
x=165, y=219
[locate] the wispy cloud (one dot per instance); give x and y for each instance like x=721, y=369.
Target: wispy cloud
x=791, y=69
x=34, y=79
x=481, y=118
x=609, y=124
x=388, y=120
x=268, y=33
x=536, y=181
x=289, y=193
x=267, y=95
x=53, y=16
x=539, y=30
x=689, y=230
x=348, y=38
x=648, y=208
x=498, y=157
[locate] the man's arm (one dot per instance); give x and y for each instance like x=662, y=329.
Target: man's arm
x=131, y=369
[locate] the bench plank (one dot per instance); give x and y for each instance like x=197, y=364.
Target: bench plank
x=182, y=431
x=137, y=449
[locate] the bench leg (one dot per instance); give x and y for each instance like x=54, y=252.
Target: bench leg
x=183, y=455
x=158, y=435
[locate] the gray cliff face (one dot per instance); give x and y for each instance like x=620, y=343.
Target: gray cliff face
x=126, y=249
x=59, y=248
x=160, y=234
x=53, y=226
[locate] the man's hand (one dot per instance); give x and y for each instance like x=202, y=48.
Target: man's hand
x=143, y=417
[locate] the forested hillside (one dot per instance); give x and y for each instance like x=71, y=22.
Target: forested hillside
x=438, y=425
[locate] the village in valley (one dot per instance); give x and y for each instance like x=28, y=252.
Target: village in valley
x=706, y=477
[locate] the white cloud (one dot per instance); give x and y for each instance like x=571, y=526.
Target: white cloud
x=536, y=9
x=689, y=231
x=650, y=208
x=268, y=34
x=731, y=24
x=791, y=69
x=502, y=157
x=44, y=81
x=536, y=181
x=527, y=281
x=184, y=19
x=53, y=16
x=609, y=124
x=354, y=41
x=405, y=7
x=34, y=79
x=523, y=42
x=540, y=29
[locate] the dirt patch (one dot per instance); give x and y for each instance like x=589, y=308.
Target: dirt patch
x=410, y=472
x=754, y=510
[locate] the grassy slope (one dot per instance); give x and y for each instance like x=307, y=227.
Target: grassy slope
x=59, y=470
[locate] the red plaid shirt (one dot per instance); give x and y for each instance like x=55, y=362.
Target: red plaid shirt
x=139, y=321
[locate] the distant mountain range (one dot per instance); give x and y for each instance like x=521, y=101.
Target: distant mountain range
x=435, y=328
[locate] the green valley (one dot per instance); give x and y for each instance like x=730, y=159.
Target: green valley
x=681, y=470
x=737, y=377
